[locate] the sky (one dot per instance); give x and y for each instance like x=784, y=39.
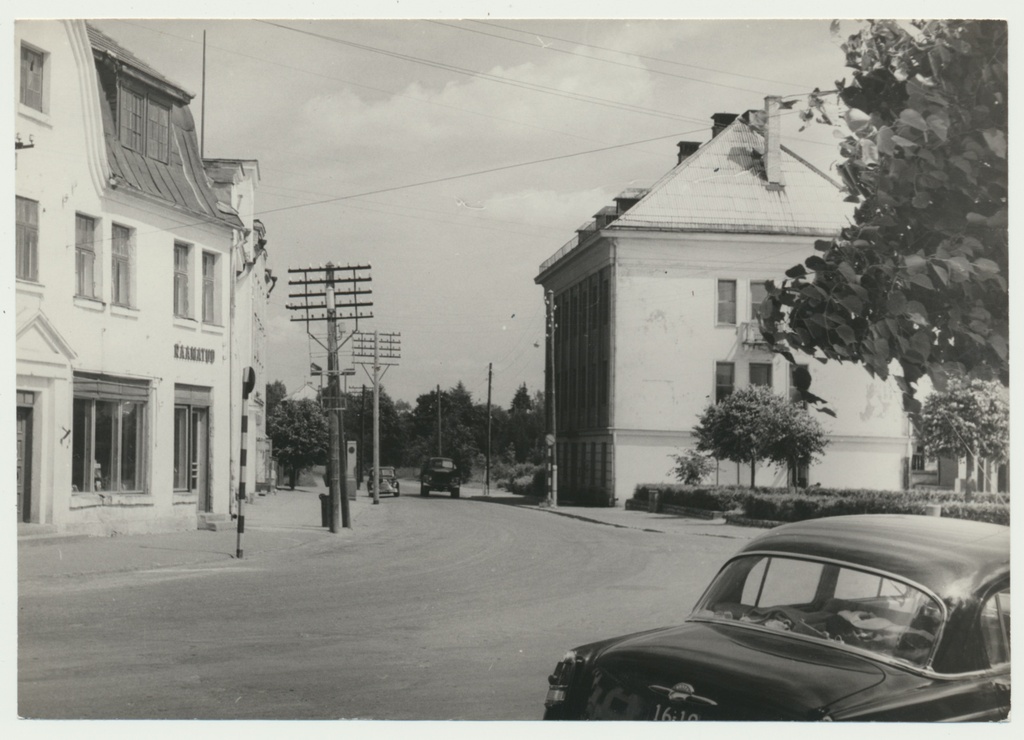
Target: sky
x=455, y=151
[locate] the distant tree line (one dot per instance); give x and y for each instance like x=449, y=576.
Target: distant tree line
x=410, y=434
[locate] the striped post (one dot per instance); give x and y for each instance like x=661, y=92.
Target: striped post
x=249, y=380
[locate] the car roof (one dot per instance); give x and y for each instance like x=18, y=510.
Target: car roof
x=952, y=557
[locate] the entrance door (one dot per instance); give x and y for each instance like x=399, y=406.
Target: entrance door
x=24, y=464
x=201, y=457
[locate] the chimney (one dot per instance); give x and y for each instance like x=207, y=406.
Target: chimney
x=721, y=120
x=686, y=148
x=773, y=143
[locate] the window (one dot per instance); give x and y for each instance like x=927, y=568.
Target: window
x=827, y=601
x=157, y=130
x=182, y=278
x=995, y=627
x=182, y=458
x=799, y=377
x=725, y=379
x=761, y=373
x=726, y=301
x=85, y=256
x=121, y=265
x=108, y=435
x=32, y=78
x=27, y=239
x=144, y=124
x=758, y=291
x=210, y=312
x=132, y=120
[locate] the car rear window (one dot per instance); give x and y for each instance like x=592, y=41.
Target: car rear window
x=826, y=601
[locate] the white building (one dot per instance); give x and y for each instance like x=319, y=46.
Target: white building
x=123, y=289
x=235, y=181
x=654, y=306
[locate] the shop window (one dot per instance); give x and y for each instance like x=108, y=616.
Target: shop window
x=211, y=302
x=122, y=265
x=32, y=68
x=182, y=279
x=727, y=302
x=26, y=239
x=725, y=379
x=109, y=433
x=85, y=256
x=761, y=373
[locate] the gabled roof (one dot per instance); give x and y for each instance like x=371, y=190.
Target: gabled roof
x=722, y=188
x=181, y=182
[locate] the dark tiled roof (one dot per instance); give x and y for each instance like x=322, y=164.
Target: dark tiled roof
x=103, y=43
x=181, y=182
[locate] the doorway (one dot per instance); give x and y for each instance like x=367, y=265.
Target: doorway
x=200, y=458
x=24, y=464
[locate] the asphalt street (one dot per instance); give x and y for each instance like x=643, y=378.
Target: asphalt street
x=426, y=609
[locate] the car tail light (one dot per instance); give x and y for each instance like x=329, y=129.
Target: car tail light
x=560, y=680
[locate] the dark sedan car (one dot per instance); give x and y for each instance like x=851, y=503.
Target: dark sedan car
x=388, y=482
x=863, y=618
x=440, y=474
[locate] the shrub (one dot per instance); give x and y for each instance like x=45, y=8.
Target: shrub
x=784, y=505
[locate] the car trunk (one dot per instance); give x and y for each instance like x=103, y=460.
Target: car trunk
x=708, y=671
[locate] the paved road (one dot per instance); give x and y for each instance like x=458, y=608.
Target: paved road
x=432, y=608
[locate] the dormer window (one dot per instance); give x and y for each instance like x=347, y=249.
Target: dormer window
x=143, y=123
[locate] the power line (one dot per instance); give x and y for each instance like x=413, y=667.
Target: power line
x=638, y=56
x=598, y=59
x=579, y=97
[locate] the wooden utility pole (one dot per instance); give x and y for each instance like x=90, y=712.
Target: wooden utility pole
x=439, y=421
x=377, y=356
x=487, y=474
x=553, y=436
x=322, y=283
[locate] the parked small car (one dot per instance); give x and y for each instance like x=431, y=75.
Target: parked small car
x=863, y=618
x=440, y=474
x=388, y=481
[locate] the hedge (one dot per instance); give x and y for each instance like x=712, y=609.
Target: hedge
x=784, y=505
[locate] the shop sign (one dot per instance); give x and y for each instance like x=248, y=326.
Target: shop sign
x=195, y=354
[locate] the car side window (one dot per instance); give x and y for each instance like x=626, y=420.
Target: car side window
x=995, y=627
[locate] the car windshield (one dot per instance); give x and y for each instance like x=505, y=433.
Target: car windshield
x=442, y=463
x=826, y=601
x=387, y=472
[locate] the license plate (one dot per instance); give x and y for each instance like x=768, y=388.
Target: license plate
x=669, y=713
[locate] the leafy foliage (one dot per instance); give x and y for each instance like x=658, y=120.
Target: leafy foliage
x=754, y=424
x=971, y=418
x=920, y=277
x=692, y=467
x=300, y=435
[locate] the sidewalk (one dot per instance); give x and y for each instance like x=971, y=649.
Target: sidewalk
x=618, y=516
x=288, y=520
x=276, y=522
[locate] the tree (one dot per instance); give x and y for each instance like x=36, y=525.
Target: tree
x=692, y=467
x=970, y=419
x=526, y=426
x=920, y=277
x=461, y=423
x=300, y=435
x=754, y=424
x=276, y=392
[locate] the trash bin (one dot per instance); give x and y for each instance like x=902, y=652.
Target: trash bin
x=325, y=510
